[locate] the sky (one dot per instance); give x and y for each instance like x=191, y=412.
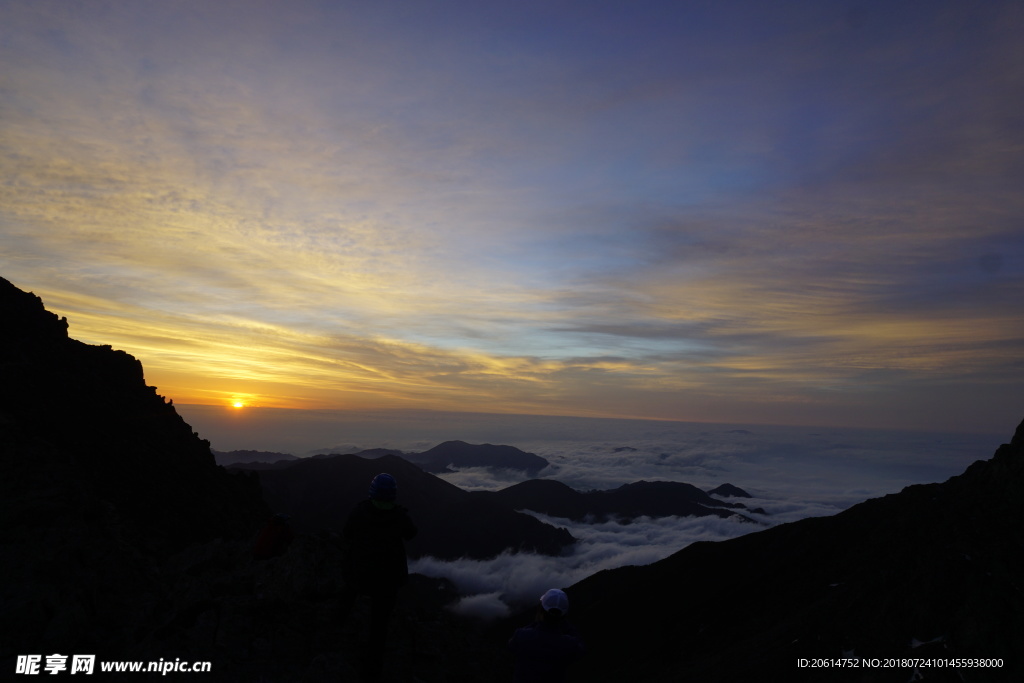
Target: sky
x=778, y=213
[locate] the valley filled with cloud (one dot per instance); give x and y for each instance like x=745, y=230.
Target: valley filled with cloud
x=790, y=472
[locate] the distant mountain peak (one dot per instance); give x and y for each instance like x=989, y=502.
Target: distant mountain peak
x=460, y=454
x=240, y=457
x=629, y=501
x=729, y=491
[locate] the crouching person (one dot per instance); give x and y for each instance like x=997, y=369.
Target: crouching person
x=544, y=649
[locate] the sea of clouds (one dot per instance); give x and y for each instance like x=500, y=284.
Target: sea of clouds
x=792, y=472
x=493, y=588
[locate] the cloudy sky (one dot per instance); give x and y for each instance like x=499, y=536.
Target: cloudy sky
x=788, y=212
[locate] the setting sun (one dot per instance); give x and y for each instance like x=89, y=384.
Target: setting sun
x=239, y=400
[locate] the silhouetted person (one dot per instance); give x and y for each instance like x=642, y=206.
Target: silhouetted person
x=374, y=562
x=544, y=649
x=274, y=538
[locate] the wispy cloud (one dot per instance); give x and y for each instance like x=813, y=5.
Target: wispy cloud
x=529, y=209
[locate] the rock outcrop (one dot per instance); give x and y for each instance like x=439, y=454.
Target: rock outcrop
x=80, y=422
x=100, y=482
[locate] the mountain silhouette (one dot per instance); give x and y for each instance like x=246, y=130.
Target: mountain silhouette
x=319, y=493
x=934, y=571
x=100, y=482
x=460, y=454
x=231, y=458
x=729, y=491
x=642, y=498
x=83, y=419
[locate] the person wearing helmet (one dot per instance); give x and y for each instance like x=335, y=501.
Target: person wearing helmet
x=544, y=649
x=374, y=561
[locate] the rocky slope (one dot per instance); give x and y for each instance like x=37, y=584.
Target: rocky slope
x=80, y=423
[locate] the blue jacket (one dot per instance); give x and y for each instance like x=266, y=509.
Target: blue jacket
x=543, y=651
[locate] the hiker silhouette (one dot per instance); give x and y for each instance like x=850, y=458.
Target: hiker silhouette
x=374, y=562
x=544, y=649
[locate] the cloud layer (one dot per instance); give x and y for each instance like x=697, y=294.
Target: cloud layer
x=801, y=214
x=492, y=588
x=792, y=473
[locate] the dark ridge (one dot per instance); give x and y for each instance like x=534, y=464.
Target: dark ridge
x=101, y=482
x=461, y=454
x=80, y=420
x=320, y=493
x=378, y=452
x=233, y=458
x=639, y=499
x=729, y=491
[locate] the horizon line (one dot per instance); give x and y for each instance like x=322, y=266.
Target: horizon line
x=372, y=411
